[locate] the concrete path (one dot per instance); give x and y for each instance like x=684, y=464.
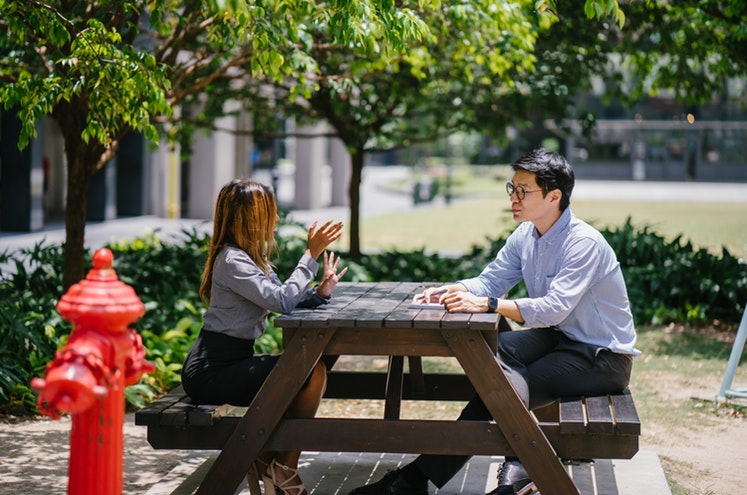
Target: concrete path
x=336, y=473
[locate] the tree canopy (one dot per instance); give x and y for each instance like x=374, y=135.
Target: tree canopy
x=382, y=73
x=472, y=71
x=104, y=68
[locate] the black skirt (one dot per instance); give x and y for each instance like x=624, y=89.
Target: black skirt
x=220, y=369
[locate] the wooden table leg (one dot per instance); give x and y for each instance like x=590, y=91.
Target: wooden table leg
x=416, y=377
x=265, y=412
x=393, y=391
x=512, y=417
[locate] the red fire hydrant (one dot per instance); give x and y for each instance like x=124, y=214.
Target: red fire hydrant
x=88, y=376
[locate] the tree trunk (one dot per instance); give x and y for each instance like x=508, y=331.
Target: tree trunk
x=76, y=211
x=84, y=159
x=355, y=196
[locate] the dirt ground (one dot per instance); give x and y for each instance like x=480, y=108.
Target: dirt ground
x=710, y=461
x=707, y=453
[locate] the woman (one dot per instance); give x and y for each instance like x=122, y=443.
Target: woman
x=241, y=288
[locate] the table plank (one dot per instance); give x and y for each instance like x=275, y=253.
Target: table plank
x=572, y=415
x=374, y=314
x=400, y=316
x=599, y=414
x=369, y=435
x=347, y=295
x=151, y=414
x=428, y=318
x=626, y=416
x=388, y=342
x=348, y=316
x=456, y=320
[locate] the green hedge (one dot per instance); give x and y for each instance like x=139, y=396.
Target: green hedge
x=667, y=281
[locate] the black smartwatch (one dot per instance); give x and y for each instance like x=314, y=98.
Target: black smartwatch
x=492, y=304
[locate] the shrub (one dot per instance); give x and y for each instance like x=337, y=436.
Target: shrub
x=673, y=281
x=30, y=329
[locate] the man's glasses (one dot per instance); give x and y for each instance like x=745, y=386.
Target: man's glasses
x=519, y=190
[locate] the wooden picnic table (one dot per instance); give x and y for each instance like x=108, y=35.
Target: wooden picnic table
x=374, y=319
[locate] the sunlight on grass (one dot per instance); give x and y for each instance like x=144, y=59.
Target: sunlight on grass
x=480, y=209
x=464, y=223
x=709, y=225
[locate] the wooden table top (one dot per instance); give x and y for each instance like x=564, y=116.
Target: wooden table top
x=382, y=305
x=346, y=326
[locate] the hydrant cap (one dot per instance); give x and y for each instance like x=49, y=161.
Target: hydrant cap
x=102, y=259
x=101, y=299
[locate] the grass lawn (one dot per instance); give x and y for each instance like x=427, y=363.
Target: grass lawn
x=464, y=223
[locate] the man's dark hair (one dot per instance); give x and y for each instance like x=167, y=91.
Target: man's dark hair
x=551, y=170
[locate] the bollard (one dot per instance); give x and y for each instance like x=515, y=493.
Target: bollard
x=88, y=375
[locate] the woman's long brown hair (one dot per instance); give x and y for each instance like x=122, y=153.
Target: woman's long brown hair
x=245, y=214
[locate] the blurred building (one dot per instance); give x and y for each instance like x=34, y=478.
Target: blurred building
x=142, y=181
x=659, y=139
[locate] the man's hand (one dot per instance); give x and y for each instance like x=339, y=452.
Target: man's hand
x=464, y=302
x=436, y=294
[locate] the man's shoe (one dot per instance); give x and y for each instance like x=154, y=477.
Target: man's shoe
x=513, y=480
x=393, y=483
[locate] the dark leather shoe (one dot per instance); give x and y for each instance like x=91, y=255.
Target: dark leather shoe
x=393, y=483
x=513, y=480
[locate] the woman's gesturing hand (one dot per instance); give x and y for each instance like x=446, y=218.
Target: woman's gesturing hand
x=319, y=238
x=330, y=276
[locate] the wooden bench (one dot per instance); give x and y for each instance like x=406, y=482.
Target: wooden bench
x=604, y=427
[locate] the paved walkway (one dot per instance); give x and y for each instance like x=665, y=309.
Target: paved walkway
x=337, y=473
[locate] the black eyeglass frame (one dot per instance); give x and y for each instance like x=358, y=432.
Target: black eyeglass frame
x=519, y=190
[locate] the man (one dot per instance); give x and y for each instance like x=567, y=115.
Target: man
x=580, y=338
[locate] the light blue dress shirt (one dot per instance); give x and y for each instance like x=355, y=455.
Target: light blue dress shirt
x=573, y=281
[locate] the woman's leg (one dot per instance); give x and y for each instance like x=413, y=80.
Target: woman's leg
x=304, y=405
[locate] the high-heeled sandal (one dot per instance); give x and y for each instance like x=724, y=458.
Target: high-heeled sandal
x=256, y=471
x=272, y=483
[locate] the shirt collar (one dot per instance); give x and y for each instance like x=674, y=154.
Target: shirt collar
x=559, y=226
